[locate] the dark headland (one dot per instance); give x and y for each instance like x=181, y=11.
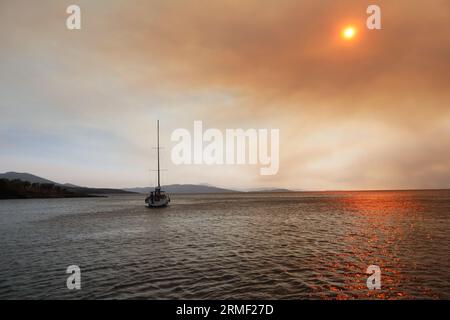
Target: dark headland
x=15, y=185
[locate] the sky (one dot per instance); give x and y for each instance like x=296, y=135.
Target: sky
x=80, y=106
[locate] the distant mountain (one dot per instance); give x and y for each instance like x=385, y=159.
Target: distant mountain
x=67, y=186
x=97, y=190
x=24, y=177
x=268, y=190
x=173, y=188
x=201, y=188
x=183, y=188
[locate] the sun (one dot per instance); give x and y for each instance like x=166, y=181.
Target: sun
x=348, y=33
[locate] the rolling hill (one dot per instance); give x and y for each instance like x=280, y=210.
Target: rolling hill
x=183, y=188
x=28, y=177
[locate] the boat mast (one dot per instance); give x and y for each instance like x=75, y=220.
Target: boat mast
x=157, y=134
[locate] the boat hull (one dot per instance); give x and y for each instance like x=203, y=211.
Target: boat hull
x=161, y=203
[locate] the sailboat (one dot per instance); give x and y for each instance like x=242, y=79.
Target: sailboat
x=157, y=198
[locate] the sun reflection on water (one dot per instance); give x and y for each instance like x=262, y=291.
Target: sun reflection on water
x=381, y=222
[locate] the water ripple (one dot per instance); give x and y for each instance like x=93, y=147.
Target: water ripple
x=230, y=246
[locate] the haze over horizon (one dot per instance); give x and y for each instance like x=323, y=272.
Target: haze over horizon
x=371, y=113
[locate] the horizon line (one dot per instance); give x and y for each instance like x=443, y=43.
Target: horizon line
x=263, y=189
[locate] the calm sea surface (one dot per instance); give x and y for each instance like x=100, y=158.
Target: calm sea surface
x=249, y=246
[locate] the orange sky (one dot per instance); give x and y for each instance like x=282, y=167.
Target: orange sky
x=371, y=113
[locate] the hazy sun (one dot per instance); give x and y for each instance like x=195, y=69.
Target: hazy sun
x=348, y=32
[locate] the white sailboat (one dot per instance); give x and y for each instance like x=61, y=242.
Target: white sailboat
x=157, y=198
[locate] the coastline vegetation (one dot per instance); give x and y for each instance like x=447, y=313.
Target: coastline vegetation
x=18, y=189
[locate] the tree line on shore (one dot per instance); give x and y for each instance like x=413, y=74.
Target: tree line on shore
x=18, y=189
